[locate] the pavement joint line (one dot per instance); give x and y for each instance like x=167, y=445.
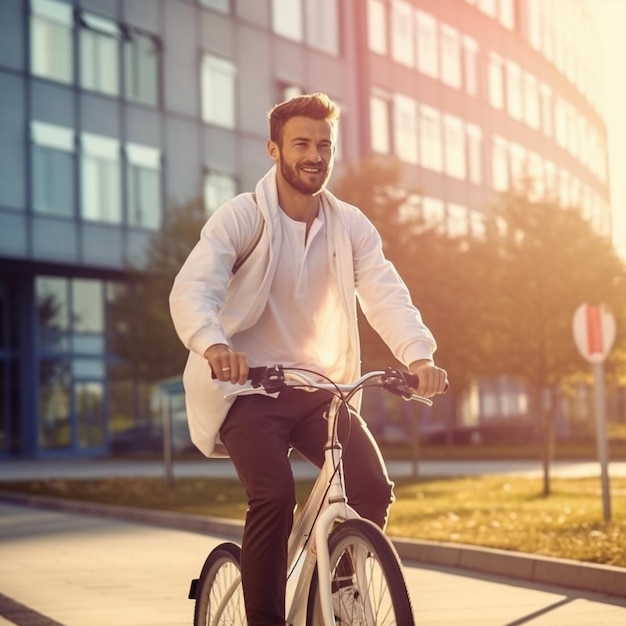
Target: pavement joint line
x=582, y=576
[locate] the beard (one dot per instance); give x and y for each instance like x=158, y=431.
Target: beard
x=290, y=174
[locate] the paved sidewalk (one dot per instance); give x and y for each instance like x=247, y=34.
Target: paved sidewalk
x=67, y=569
x=93, y=468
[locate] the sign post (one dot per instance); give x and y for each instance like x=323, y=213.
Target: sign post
x=594, y=334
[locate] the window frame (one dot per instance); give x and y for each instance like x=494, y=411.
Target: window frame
x=103, y=59
x=143, y=159
x=55, y=19
x=46, y=140
x=216, y=69
x=100, y=159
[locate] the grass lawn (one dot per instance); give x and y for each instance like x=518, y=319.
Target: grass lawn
x=496, y=511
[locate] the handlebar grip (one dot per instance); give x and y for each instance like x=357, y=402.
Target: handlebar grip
x=412, y=380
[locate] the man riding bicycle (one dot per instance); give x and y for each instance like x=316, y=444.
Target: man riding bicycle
x=292, y=301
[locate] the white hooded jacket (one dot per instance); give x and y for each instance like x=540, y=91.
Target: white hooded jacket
x=209, y=304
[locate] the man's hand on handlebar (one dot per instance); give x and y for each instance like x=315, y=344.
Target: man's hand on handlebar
x=227, y=365
x=432, y=379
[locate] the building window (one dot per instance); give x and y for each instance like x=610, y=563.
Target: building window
x=286, y=91
x=71, y=319
x=287, y=19
x=218, y=91
x=518, y=165
x=474, y=153
x=379, y=123
x=53, y=314
x=53, y=169
x=506, y=13
x=550, y=175
x=219, y=5
x=51, y=40
x=433, y=211
x=99, y=54
x=317, y=22
x=430, y=139
x=561, y=117
x=87, y=306
x=322, y=25
x=533, y=20
x=477, y=225
x=100, y=179
x=405, y=128
x=499, y=164
x=488, y=7
x=514, y=90
x=143, y=186
x=456, y=220
x=218, y=188
x=141, y=68
x=454, y=147
x=496, y=81
x=402, y=36
x=531, y=101
x=470, y=67
x=450, y=56
x=564, y=188
x=377, y=26
x=427, y=44
x=546, y=109
x=55, y=430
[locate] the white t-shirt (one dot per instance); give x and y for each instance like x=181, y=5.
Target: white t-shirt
x=303, y=324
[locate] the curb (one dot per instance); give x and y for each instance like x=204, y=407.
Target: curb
x=582, y=576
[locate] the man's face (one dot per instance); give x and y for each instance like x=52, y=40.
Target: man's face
x=305, y=158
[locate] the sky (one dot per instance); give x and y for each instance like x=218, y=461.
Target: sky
x=610, y=18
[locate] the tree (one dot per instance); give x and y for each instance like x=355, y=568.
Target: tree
x=444, y=274
x=144, y=336
x=546, y=261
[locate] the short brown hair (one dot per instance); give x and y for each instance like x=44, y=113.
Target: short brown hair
x=317, y=106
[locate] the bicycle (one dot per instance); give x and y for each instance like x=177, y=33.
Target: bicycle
x=351, y=573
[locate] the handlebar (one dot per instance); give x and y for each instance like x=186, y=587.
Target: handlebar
x=275, y=378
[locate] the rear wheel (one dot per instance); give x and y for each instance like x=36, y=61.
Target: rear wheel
x=366, y=579
x=218, y=592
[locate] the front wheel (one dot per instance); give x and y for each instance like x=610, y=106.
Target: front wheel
x=366, y=579
x=218, y=592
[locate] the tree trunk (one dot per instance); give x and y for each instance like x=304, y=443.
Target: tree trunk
x=548, y=414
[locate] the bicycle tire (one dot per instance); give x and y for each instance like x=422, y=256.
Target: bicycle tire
x=220, y=572
x=378, y=582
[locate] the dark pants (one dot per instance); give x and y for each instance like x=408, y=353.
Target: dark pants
x=258, y=433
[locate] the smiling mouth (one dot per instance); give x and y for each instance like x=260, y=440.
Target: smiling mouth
x=312, y=170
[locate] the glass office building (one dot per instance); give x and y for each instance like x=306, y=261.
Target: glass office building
x=113, y=111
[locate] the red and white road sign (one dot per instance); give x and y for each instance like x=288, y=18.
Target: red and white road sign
x=594, y=331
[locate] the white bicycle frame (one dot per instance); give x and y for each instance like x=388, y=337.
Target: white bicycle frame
x=326, y=504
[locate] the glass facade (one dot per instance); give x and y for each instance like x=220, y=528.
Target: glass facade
x=80, y=380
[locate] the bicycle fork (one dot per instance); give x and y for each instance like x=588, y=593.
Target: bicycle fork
x=337, y=508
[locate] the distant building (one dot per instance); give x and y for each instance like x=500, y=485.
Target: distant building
x=111, y=111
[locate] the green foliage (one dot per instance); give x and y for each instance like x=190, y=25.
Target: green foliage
x=443, y=274
x=545, y=262
x=144, y=335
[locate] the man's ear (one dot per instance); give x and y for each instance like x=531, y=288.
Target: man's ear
x=273, y=150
